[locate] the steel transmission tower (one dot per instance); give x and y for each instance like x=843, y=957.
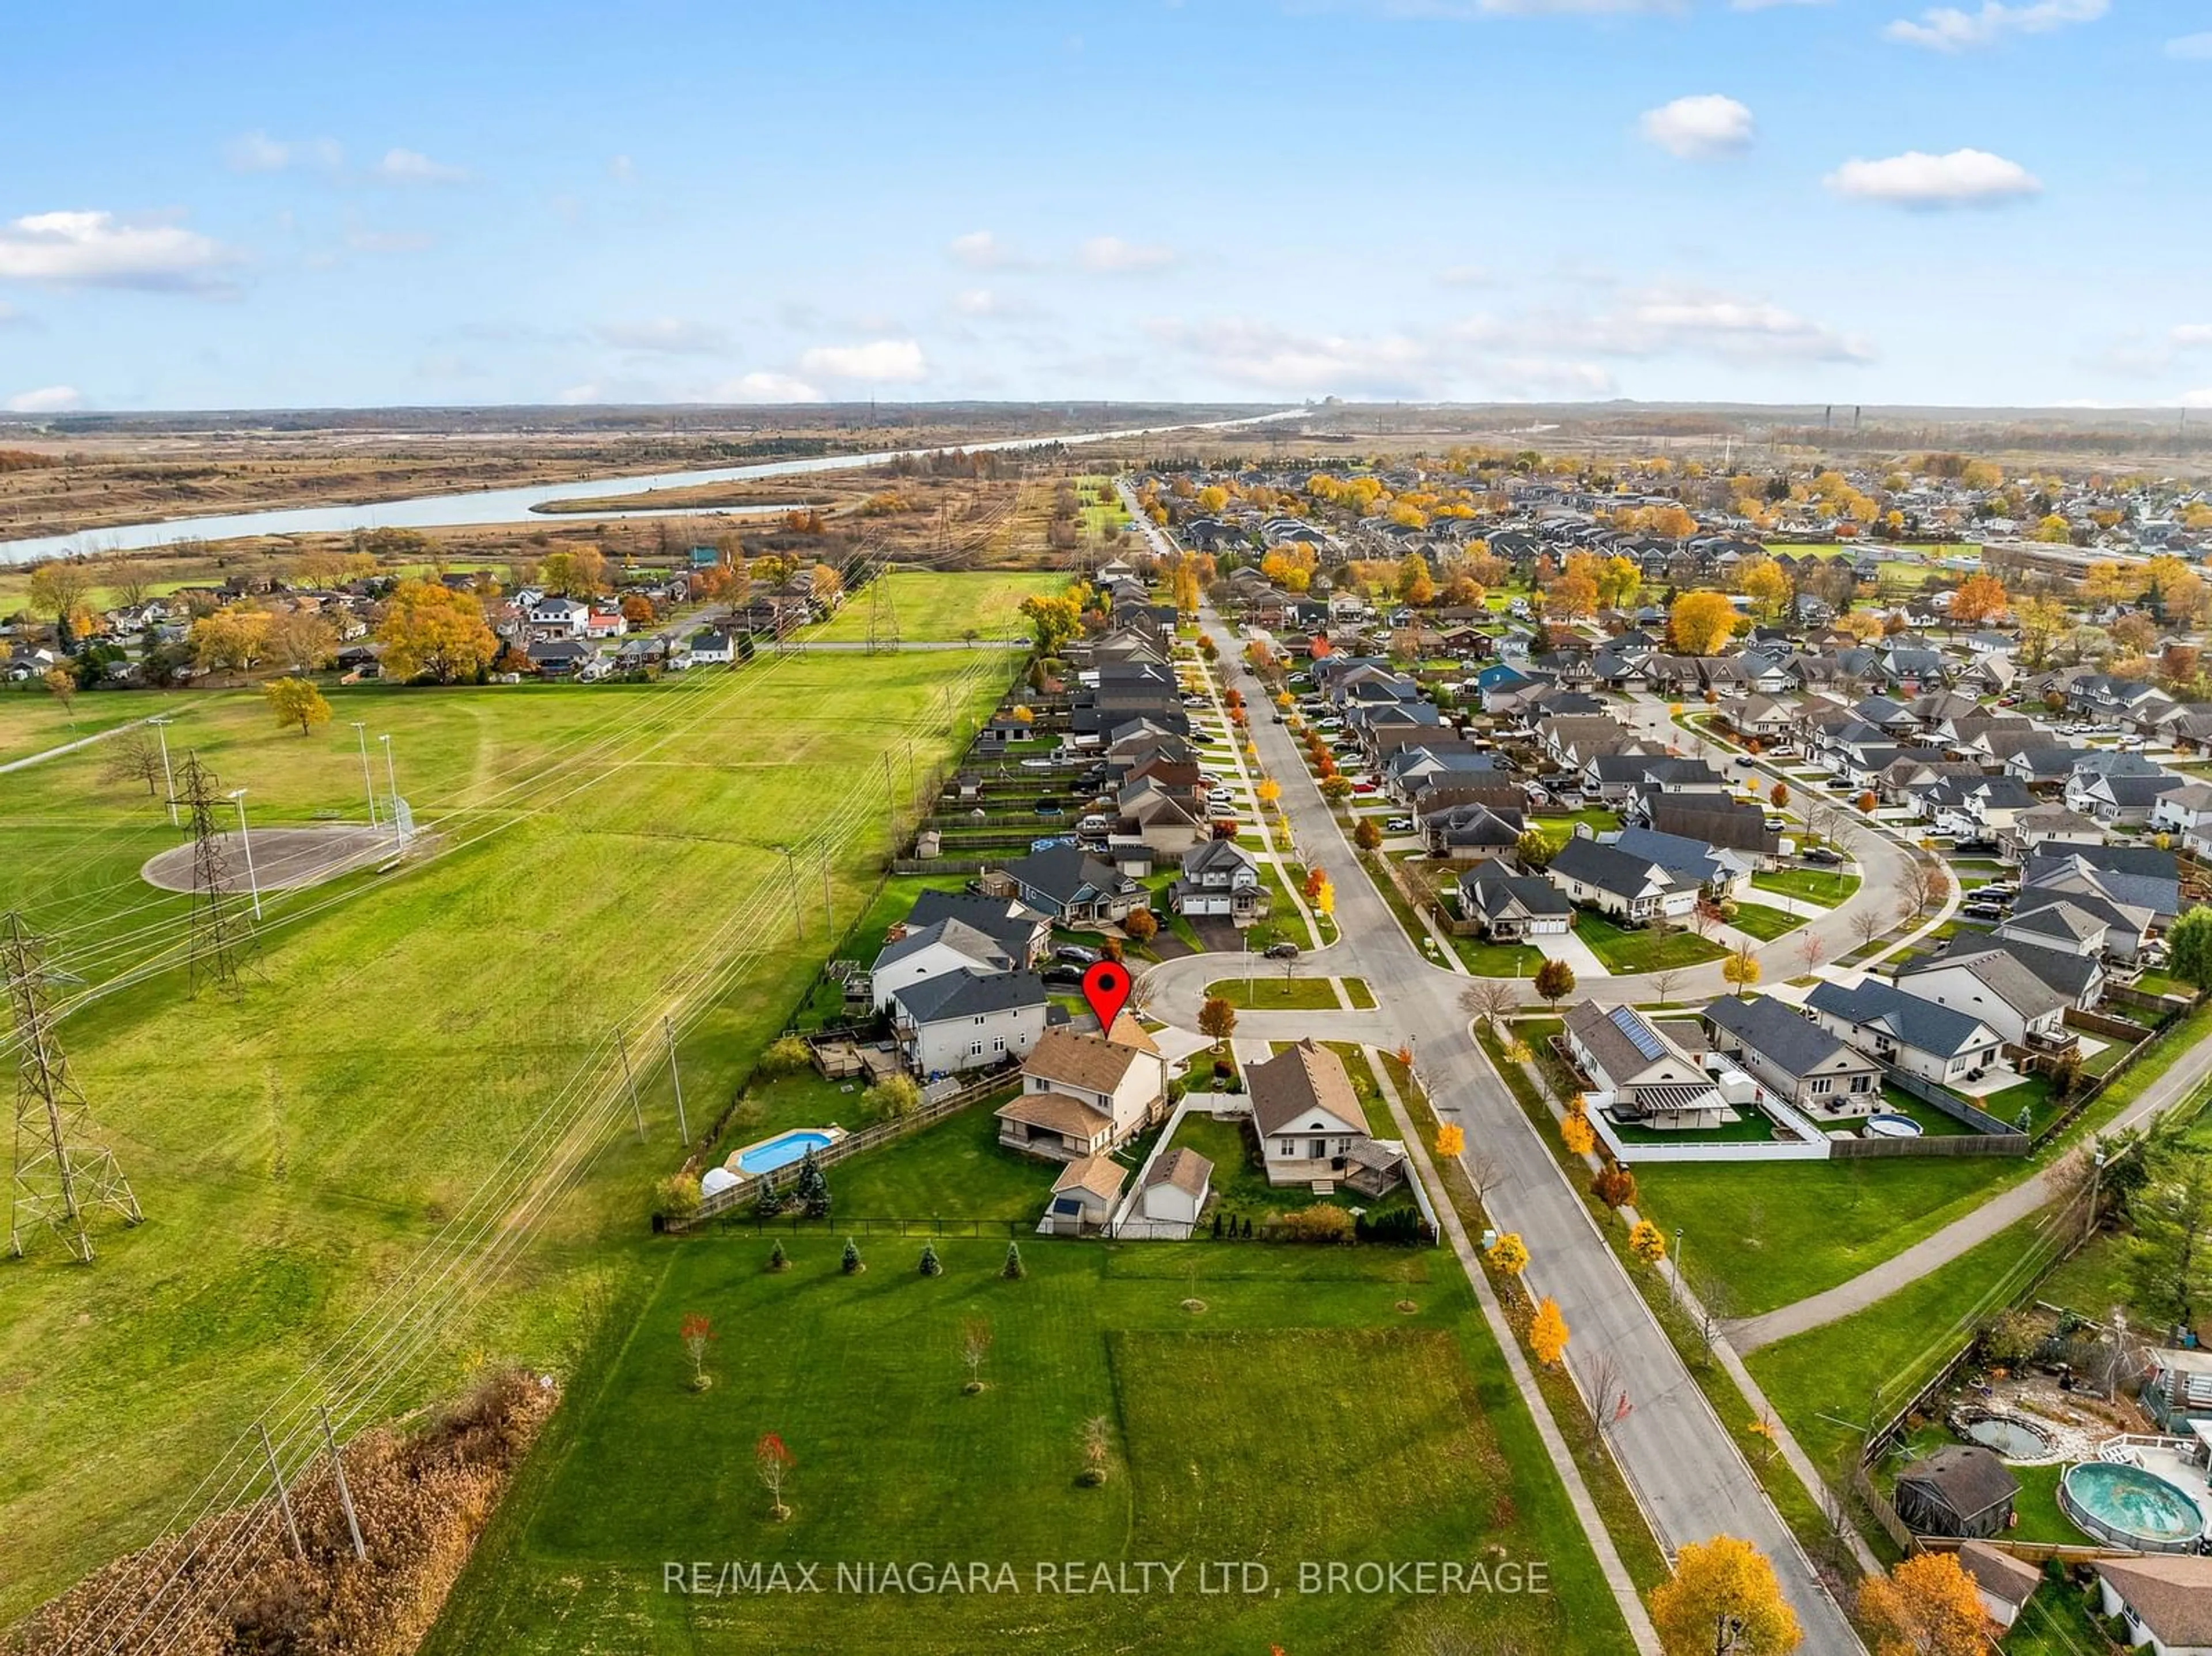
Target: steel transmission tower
x=220, y=934
x=61, y=1173
x=883, y=614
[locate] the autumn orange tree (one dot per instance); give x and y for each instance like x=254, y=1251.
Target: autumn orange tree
x=1577, y=1134
x=296, y=701
x=1451, y=1139
x=1508, y=1254
x=1740, y=970
x=1979, y=599
x=1723, y=1597
x=1926, y=1606
x=1555, y=980
x=1647, y=1241
x=430, y=631
x=1701, y=623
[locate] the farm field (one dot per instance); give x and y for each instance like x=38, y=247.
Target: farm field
x=1427, y=1454
x=940, y=606
x=297, y=1147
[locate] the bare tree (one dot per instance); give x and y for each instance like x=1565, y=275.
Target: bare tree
x=1664, y=981
x=1927, y=884
x=974, y=1346
x=134, y=757
x=1606, y=1389
x=1867, y=924
x=1485, y=1172
x=1810, y=948
x=1490, y=999
x=1705, y=916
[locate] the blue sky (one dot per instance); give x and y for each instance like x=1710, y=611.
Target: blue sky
x=231, y=204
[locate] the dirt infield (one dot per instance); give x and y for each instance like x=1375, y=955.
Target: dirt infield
x=284, y=858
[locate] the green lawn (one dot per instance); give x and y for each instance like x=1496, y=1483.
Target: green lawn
x=1356, y=992
x=1626, y=951
x=1498, y=960
x=1764, y=923
x=1828, y=1383
x=31, y=720
x=952, y=1169
x=1268, y=991
x=608, y=857
x=1823, y=886
x=1428, y=1453
x=935, y=606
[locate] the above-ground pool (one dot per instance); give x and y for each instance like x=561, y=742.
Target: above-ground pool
x=2013, y=1438
x=783, y=1150
x=1890, y=1125
x=2129, y=1506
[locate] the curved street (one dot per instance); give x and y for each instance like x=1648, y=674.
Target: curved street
x=1682, y=1460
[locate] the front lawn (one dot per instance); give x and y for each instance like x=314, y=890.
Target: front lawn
x=1498, y=960
x=1816, y=885
x=861, y=1377
x=1764, y=923
x=1626, y=952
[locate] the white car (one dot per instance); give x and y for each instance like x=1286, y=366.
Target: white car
x=1399, y=825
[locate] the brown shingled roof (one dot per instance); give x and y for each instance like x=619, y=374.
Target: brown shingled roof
x=1296, y=1081
x=2171, y=1596
x=1055, y=1113
x=1091, y=1063
x=1184, y=1168
x=1098, y=1174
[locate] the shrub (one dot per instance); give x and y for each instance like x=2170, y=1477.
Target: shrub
x=1013, y=1270
x=894, y=1096
x=851, y=1263
x=1400, y=1226
x=930, y=1266
x=676, y=1197
x=1323, y=1222
x=787, y=1055
x=778, y=1259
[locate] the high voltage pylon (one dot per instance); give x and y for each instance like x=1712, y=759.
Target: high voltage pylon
x=221, y=933
x=883, y=614
x=61, y=1172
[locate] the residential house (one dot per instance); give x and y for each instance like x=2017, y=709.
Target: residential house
x=1920, y=1037
x=1310, y=1126
x=1513, y=907
x=922, y=953
x=1990, y=985
x=1068, y=885
x=2046, y=827
x=1220, y=878
x=562, y=616
x=2004, y=1583
x=1719, y=873
x=1724, y=823
x=1472, y=832
x=1633, y=890
x=1794, y=1058
x=1085, y=1095
x=969, y=1020
x=1641, y=1077
x=1018, y=930
x=2164, y=1602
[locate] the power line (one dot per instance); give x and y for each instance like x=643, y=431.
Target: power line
x=218, y=938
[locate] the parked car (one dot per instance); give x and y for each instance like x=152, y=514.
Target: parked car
x=1281, y=951
x=1776, y=824
x=1823, y=856
x=1399, y=825
x=1362, y=787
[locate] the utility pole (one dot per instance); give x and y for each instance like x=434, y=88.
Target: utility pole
x=791, y=872
x=828, y=915
x=283, y=1494
x=237, y=796
x=637, y=1110
x=60, y=1172
x=367, y=781
x=683, y=1128
x=391, y=777
x=891, y=805
x=161, y=723
x=345, y=1493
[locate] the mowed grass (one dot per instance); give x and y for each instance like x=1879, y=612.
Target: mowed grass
x=294, y=1149
x=936, y=606
x=32, y=719
x=1410, y=1444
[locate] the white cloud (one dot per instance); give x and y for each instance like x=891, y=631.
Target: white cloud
x=257, y=152
x=1769, y=5
x=766, y=387
x=1964, y=178
x=575, y=395
x=2190, y=335
x=413, y=166
x=2193, y=46
x=1112, y=253
x=1949, y=28
x=879, y=359
x=1665, y=321
x=978, y=301
x=1467, y=276
x=979, y=250
x=47, y=399
x=389, y=241
x=2199, y=398
x=665, y=335
x=94, y=248
x=1699, y=128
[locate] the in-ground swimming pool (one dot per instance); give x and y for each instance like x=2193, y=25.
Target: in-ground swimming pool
x=782, y=1150
x=2129, y=1506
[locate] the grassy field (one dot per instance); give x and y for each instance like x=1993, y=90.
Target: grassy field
x=1814, y=885
x=295, y=1148
x=1647, y=951
x=1425, y=1453
x=32, y=720
x=1764, y=923
x=1269, y=991
x=935, y=606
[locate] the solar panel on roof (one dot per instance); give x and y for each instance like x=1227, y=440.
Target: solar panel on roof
x=1640, y=1033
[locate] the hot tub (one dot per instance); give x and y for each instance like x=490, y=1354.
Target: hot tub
x=2127, y=1507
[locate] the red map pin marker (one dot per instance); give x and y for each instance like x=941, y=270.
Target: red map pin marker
x=1106, y=986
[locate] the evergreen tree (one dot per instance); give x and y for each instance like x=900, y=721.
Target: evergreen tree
x=851, y=1260
x=1013, y=1270
x=777, y=1259
x=930, y=1267
x=811, y=1192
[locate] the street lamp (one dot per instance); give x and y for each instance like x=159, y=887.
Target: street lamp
x=392, y=776
x=1681, y=1285
x=237, y=796
x=368, y=782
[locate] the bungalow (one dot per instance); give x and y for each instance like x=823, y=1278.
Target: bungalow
x=1068, y=885
x=1310, y=1126
x=712, y=648
x=1734, y=825
x=1084, y=1095
x=2124, y=801
x=1220, y=878
x=1638, y=1075
x=1512, y=907
x=969, y=1020
x=1630, y=890
x=1719, y=874
x=1472, y=832
x=1794, y=1058
x=2164, y=1602
x=1990, y=985
x=1935, y=1042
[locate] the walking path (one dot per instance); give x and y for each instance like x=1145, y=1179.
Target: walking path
x=71, y=746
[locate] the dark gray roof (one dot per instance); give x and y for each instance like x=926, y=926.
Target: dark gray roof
x=1969, y=1479
x=1915, y=1023
x=1492, y=890
x=1602, y=866
x=978, y=946
x=970, y=994
x=1791, y=1042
